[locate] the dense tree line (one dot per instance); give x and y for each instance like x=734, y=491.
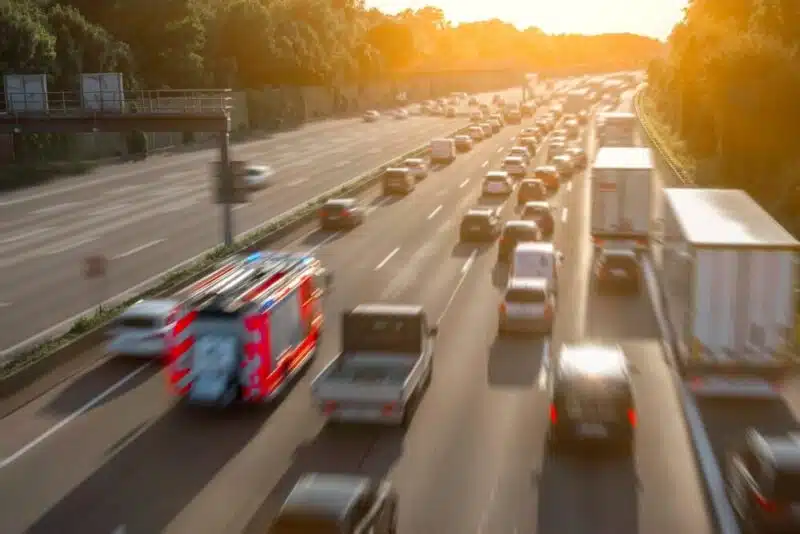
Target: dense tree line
x=729, y=88
x=253, y=43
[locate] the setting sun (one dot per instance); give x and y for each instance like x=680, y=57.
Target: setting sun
x=654, y=18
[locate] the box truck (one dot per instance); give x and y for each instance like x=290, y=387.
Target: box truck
x=621, y=188
x=727, y=278
x=616, y=128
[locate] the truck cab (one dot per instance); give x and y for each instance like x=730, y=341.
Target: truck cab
x=384, y=368
x=337, y=504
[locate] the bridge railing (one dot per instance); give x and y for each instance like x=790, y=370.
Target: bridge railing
x=77, y=103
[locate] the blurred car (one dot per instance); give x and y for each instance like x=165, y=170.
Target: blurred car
x=531, y=143
x=548, y=174
x=418, y=167
x=563, y=163
x=496, y=125
x=338, y=213
x=499, y=118
x=450, y=113
x=401, y=114
x=480, y=224
x=488, y=131
x=515, y=166
x=143, y=330
x=475, y=116
x=531, y=190
x=541, y=212
x=573, y=129
x=515, y=232
x=371, y=116
x=463, y=143
x=476, y=133
x=497, y=183
x=528, y=305
x=522, y=152
x=578, y=156
x=257, y=176
x=617, y=269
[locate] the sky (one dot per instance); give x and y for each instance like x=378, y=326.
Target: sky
x=647, y=17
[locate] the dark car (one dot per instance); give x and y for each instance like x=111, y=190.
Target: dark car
x=341, y=213
x=583, y=118
x=480, y=224
x=531, y=190
x=515, y=232
x=531, y=143
x=763, y=482
x=617, y=270
x=541, y=213
x=341, y=504
x=591, y=397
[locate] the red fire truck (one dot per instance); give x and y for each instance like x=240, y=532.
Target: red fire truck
x=247, y=328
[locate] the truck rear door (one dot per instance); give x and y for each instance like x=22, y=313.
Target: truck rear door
x=635, y=201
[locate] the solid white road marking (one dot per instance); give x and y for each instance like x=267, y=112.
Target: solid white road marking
x=464, y=272
x=74, y=415
x=564, y=215
x=469, y=262
x=499, y=150
x=58, y=208
x=434, y=212
x=464, y=183
x=485, y=163
x=387, y=258
x=69, y=245
x=297, y=182
x=343, y=163
x=140, y=248
x=5, y=304
x=569, y=186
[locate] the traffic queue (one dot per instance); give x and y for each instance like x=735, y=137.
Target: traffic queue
x=244, y=332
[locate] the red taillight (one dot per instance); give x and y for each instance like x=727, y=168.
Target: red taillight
x=548, y=311
x=765, y=504
x=345, y=213
x=632, y=417
x=330, y=407
x=388, y=409
x=553, y=414
x=322, y=213
x=502, y=308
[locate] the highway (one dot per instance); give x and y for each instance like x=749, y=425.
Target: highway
x=147, y=217
x=87, y=459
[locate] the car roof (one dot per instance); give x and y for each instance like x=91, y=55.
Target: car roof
x=513, y=158
x=388, y=309
x=529, y=283
x=538, y=204
x=480, y=211
x=519, y=148
x=154, y=307
x=545, y=168
x=340, y=201
x=516, y=223
x=575, y=149
x=561, y=157
x=531, y=181
x=462, y=136
x=496, y=174
x=542, y=247
x=397, y=169
x=413, y=160
x=619, y=253
x=327, y=495
x=598, y=359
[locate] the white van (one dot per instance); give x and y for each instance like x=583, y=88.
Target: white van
x=536, y=260
x=443, y=150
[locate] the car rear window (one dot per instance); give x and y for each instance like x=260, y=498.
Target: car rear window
x=336, y=208
x=787, y=486
x=535, y=211
x=476, y=219
x=139, y=322
x=619, y=262
x=526, y=296
x=521, y=232
x=396, y=174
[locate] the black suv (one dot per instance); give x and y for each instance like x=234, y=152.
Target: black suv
x=762, y=479
x=480, y=224
x=530, y=190
x=515, y=232
x=618, y=270
x=591, y=397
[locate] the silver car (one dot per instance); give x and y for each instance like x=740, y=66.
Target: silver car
x=143, y=330
x=528, y=306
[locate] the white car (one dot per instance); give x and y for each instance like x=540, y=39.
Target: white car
x=515, y=166
x=371, y=116
x=401, y=114
x=528, y=306
x=522, y=152
x=257, y=176
x=418, y=167
x=497, y=183
x=476, y=133
x=143, y=329
x=476, y=116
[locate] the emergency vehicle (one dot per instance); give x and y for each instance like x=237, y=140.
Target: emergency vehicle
x=247, y=328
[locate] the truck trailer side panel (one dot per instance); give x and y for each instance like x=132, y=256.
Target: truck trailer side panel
x=743, y=304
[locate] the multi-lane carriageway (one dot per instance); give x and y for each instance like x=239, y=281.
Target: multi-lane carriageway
x=147, y=217
x=107, y=450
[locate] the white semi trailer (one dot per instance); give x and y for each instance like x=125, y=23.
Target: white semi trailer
x=727, y=276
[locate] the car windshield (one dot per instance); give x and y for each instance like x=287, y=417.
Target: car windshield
x=526, y=296
x=374, y=332
x=520, y=233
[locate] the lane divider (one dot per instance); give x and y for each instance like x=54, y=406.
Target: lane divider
x=385, y=260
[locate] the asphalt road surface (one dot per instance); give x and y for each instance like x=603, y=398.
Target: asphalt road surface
x=473, y=460
x=147, y=217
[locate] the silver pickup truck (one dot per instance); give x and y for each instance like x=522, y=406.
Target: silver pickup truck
x=385, y=366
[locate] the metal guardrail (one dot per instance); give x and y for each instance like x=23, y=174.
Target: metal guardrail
x=76, y=103
x=656, y=141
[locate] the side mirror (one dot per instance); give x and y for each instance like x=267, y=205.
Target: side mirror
x=434, y=330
